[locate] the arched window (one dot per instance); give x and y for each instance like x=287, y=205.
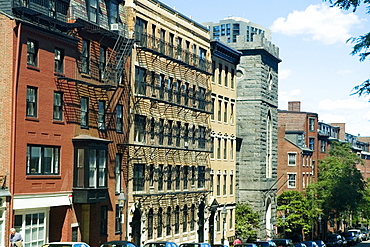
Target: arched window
x=159, y=222
x=150, y=224
x=269, y=146
x=192, y=218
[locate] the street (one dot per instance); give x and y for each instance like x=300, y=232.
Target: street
x=363, y=244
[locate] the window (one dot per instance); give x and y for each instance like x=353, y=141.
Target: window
x=218, y=227
x=43, y=160
x=85, y=56
x=225, y=112
x=117, y=172
x=161, y=132
x=185, y=219
x=211, y=183
x=119, y=118
x=58, y=60
x=218, y=148
x=312, y=124
x=323, y=146
x=231, y=184
x=97, y=168
x=202, y=137
x=34, y=225
x=192, y=217
x=231, y=149
x=292, y=159
x=52, y=9
x=31, y=110
x=152, y=128
x=113, y=12
x=58, y=106
x=118, y=225
x=311, y=143
x=178, y=133
x=212, y=148
x=93, y=11
x=218, y=184
x=102, y=62
x=161, y=86
x=292, y=180
x=185, y=175
x=232, y=79
x=219, y=110
x=151, y=175
x=168, y=221
x=193, y=175
x=169, y=177
x=101, y=115
x=160, y=177
x=186, y=135
x=84, y=112
x=201, y=176
x=213, y=109
x=139, y=131
x=140, y=81
x=219, y=74
x=232, y=113
x=224, y=185
x=225, y=149
x=177, y=220
x=202, y=96
x=139, y=177
x=169, y=133
x=269, y=131
x=159, y=222
x=32, y=50
x=150, y=224
x=177, y=177
x=226, y=76
x=103, y=220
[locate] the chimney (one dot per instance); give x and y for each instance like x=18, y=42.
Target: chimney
x=294, y=106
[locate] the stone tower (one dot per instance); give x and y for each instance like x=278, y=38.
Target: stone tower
x=257, y=103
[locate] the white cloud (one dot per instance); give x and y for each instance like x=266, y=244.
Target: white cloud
x=344, y=72
x=332, y=118
x=285, y=97
x=285, y=73
x=321, y=22
x=328, y=104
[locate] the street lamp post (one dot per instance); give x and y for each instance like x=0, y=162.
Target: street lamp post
x=283, y=219
x=224, y=213
x=121, y=203
x=320, y=225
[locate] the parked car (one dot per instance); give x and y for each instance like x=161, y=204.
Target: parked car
x=246, y=245
x=194, y=245
x=310, y=243
x=351, y=238
x=300, y=245
x=365, y=234
x=283, y=242
x=66, y=244
x=334, y=240
x=160, y=244
x=320, y=243
x=358, y=234
x=265, y=244
x=118, y=243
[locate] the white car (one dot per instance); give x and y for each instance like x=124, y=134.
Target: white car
x=66, y=244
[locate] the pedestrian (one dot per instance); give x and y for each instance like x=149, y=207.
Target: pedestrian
x=237, y=241
x=15, y=238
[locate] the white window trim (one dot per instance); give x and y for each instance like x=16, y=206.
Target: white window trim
x=295, y=181
x=295, y=163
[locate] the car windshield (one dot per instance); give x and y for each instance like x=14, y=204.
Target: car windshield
x=349, y=234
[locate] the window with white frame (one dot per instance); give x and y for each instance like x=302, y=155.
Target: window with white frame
x=139, y=130
x=117, y=172
x=32, y=226
x=58, y=106
x=292, y=159
x=32, y=51
x=31, y=107
x=292, y=180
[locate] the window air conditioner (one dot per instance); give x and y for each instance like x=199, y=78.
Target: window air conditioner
x=114, y=27
x=186, y=144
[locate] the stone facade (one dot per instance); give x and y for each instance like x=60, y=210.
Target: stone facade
x=257, y=102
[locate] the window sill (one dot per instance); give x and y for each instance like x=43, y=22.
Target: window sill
x=32, y=119
x=85, y=75
x=38, y=176
x=33, y=67
x=58, y=122
x=61, y=74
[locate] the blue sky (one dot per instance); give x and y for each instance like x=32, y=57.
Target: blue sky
x=317, y=68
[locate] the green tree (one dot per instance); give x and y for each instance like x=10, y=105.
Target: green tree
x=340, y=184
x=246, y=222
x=361, y=43
x=294, y=214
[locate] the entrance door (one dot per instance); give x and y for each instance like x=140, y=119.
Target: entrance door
x=136, y=228
x=201, y=222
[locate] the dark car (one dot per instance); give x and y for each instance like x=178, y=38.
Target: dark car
x=118, y=244
x=334, y=240
x=161, y=244
x=351, y=238
x=246, y=245
x=300, y=245
x=365, y=234
x=195, y=245
x=320, y=243
x=283, y=242
x=310, y=243
x=265, y=244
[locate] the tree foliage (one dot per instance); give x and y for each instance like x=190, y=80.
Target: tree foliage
x=246, y=221
x=340, y=184
x=293, y=210
x=361, y=44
